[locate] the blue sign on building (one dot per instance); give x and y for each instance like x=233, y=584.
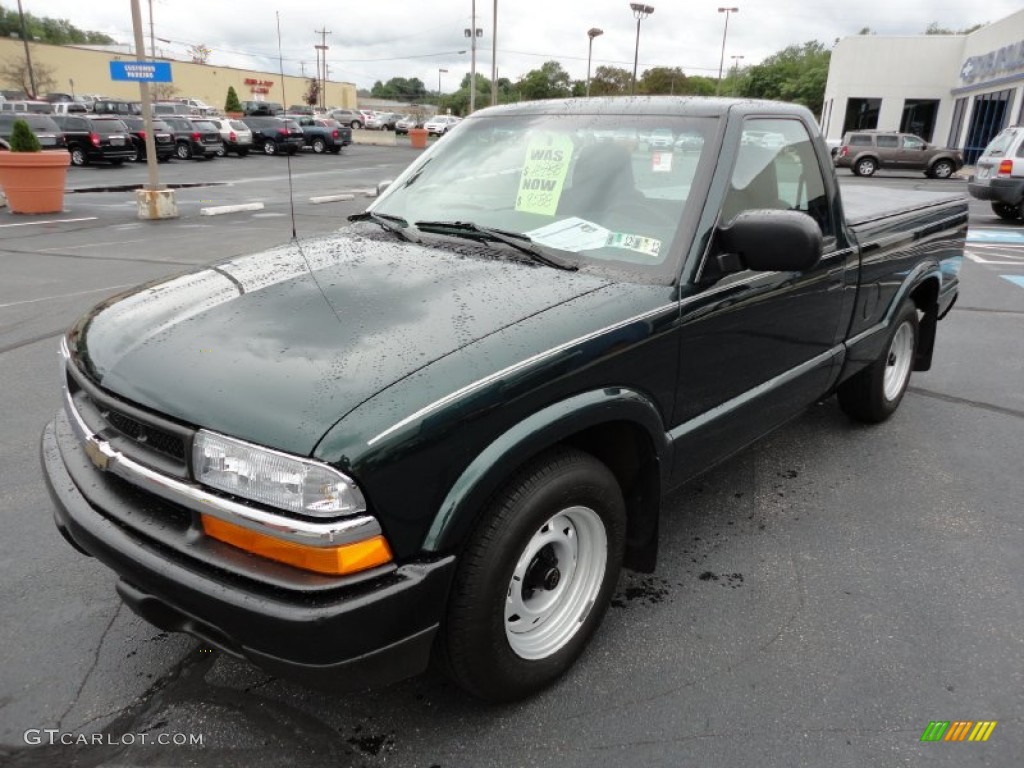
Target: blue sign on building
x=141, y=71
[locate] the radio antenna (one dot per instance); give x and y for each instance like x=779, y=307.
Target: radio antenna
x=288, y=155
x=291, y=191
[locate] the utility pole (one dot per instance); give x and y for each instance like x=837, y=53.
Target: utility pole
x=28, y=56
x=323, y=47
x=152, y=34
x=494, y=57
x=473, y=33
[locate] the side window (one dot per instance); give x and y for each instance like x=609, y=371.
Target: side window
x=778, y=171
x=912, y=142
x=887, y=142
x=860, y=140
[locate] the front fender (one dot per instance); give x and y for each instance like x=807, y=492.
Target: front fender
x=464, y=503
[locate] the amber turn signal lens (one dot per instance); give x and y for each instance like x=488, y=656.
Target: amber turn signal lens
x=336, y=561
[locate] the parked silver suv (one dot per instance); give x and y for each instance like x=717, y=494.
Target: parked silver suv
x=999, y=174
x=864, y=152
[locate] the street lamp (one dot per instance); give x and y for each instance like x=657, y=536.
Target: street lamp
x=640, y=12
x=721, y=61
x=736, y=67
x=473, y=33
x=591, y=33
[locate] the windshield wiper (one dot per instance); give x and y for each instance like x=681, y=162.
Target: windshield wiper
x=395, y=224
x=519, y=241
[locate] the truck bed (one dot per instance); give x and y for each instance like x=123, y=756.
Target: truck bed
x=865, y=204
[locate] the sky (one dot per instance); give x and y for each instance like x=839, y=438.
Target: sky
x=378, y=40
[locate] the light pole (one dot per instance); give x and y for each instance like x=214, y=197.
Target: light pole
x=494, y=56
x=640, y=12
x=735, y=69
x=439, y=72
x=473, y=33
x=721, y=61
x=591, y=33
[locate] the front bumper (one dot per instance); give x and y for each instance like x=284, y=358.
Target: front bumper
x=1009, y=191
x=350, y=632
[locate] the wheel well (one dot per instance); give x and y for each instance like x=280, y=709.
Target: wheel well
x=926, y=299
x=626, y=449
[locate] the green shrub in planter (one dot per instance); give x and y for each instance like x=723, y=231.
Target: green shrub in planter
x=22, y=138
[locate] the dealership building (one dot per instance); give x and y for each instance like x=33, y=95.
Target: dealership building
x=952, y=90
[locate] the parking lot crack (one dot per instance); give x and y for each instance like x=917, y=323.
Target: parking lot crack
x=965, y=401
x=92, y=666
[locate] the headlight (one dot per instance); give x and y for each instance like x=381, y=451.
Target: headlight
x=273, y=478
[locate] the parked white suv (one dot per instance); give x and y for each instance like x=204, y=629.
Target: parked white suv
x=999, y=174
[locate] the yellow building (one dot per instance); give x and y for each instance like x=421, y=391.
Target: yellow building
x=90, y=71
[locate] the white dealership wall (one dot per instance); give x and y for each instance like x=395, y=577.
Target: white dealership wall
x=943, y=67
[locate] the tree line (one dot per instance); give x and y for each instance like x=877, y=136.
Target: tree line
x=46, y=30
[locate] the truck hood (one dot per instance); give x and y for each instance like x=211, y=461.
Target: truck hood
x=255, y=348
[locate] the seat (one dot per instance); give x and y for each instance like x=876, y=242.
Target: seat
x=602, y=178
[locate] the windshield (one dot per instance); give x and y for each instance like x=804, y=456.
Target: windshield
x=1001, y=143
x=587, y=185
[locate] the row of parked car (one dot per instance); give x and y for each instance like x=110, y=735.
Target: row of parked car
x=119, y=138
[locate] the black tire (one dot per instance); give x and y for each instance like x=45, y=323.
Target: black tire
x=269, y=147
x=866, y=166
x=478, y=644
x=222, y=151
x=78, y=156
x=873, y=394
x=1008, y=212
x=243, y=152
x=355, y=125
x=942, y=169
x=137, y=155
x=117, y=163
x=318, y=145
x=183, y=151
x=293, y=151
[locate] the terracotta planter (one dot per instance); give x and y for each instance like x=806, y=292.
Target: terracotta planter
x=34, y=181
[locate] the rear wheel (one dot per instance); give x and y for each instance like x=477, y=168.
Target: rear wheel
x=1008, y=212
x=355, y=124
x=184, y=151
x=865, y=167
x=874, y=394
x=221, y=152
x=943, y=169
x=269, y=147
x=78, y=156
x=318, y=146
x=243, y=152
x=536, y=577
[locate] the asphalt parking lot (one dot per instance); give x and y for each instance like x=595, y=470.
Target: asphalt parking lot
x=820, y=598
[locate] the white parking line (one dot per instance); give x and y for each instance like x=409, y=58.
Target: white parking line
x=67, y=295
x=51, y=221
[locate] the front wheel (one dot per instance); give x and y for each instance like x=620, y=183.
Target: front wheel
x=874, y=394
x=221, y=151
x=536, y=577
x=355, y=124
x=269, y=147
x=943, y=169
x=1008, y=212
x=865, y=167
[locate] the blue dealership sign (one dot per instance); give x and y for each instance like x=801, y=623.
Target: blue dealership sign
x=141, y=71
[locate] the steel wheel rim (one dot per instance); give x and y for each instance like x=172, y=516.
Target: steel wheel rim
x=943, y=170
x=866, y=168
x=540, y=620
x=897, y=363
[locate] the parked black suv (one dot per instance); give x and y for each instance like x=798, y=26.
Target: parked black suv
x=163, y=139
x=194, y=137
x=273, y=135
x=43, y=126
x=90, y=141
x=115, y=107
x=264, y=108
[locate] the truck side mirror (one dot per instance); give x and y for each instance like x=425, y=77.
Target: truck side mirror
x=770, y=241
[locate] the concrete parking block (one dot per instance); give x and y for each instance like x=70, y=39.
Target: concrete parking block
x=217, y=210
x=331, y=198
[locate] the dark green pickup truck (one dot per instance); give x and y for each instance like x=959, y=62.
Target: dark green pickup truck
x=443, y=431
